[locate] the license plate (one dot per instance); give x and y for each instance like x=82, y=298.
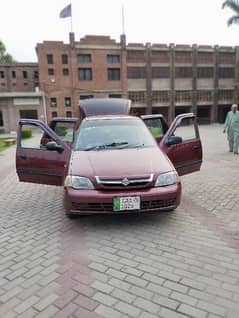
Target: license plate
x=126, y=203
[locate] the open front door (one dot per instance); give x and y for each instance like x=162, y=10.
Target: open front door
x=182, y=144
x=43, y=157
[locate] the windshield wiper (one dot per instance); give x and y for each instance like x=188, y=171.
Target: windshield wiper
x=136, y=146
x=104, y=146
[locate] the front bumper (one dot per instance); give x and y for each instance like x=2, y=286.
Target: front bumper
x=98, y=202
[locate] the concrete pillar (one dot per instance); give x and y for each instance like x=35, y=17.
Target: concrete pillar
x=214, y=112
x=123, y=61
x=148, y=79
x=172, y=85
x=236, y=87
x=194, y=79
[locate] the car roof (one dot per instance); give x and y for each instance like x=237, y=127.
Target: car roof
x=105, y=106
x=100, y=117
x=64, y=119
x=151, y=116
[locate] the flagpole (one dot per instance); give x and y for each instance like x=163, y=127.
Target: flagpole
x=123, y=22
x=71, y=19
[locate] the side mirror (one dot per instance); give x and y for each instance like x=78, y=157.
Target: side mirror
x=174, y=140
x=53, y=146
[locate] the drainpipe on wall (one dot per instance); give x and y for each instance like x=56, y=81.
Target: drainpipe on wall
x=44, y=106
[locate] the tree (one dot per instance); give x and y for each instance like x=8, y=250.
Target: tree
x=4, y=56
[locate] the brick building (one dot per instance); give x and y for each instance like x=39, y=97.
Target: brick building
x=19, y=94
x=158, y=78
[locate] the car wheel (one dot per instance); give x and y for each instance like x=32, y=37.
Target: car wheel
x=71, y=215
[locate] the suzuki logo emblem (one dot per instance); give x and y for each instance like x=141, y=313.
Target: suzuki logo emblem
x=125, y=182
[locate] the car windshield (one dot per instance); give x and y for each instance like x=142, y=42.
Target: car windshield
x=120, y=133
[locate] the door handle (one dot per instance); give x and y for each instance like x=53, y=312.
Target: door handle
x=23, y=157
x=196, y=147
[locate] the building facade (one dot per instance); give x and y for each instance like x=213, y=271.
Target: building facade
x=158, y=78
x=19, y=94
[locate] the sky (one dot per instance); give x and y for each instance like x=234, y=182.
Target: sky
x=24, y=23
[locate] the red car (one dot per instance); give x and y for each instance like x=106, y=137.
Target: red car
x=111, y=162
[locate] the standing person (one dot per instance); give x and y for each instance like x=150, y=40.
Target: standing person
x=232, y=127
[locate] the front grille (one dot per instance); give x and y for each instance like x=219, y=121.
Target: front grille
x=125, y=183
x=159, y=204
x=101, y=207
x=108, y=207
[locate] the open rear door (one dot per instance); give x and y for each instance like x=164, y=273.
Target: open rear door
x=37, y=161
x=182, y=144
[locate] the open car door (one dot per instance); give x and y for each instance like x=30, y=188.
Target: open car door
x=180, y=141
x=37, y=161
x=64, y=127
x=182, y=144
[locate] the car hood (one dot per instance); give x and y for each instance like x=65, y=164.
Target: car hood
x=120, y=162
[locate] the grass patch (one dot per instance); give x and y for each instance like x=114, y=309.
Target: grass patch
x=3, y=146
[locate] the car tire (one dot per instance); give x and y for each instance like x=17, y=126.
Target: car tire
x=71, y=215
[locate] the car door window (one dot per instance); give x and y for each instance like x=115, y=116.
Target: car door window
x=33, y=137
x=155, y=126
x=186, y=129
x=65, y=130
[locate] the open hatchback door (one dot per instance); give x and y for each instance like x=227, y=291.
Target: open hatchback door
x=180, y=141
x=42, y=158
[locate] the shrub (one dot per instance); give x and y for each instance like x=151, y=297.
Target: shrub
x=26, y=133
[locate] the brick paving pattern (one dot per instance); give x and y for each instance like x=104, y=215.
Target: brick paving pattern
x=166, y=265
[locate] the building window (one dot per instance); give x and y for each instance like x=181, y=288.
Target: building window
x=49, y=58
x=54, y=114
x=13, y=74
x=113, y=58
x=53, y=102
x=82, y=97
x=226, y=72
x=204, y=96
x=67, y=101
x=28, y=113
x=85, y=74
x=136, y=72
x=183, y=57
x=160, y=57
x=3, y=84
x=183, y=72
x=64, y=59
x=24, y=74
x=225, y=95
x=205, y=72
x=137, y=97
x=83, y=58
x=183, y=96
x=115, y=96
x=36, y=75
x=113, y=74
x=65, y=71
x=136, y=56
x=205, y=58
x=50, y=71
x=25, y=84
x=68, y=114
x=2, y=74
x=160, y=72
x=160, y=97
x=226, y=58
x=1, y=119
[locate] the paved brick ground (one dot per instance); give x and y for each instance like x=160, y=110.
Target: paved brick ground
x=167, y=265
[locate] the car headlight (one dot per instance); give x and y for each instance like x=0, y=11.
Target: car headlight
x=167, y=179
x=76, y=182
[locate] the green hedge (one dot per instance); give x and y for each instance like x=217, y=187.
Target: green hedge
x=26, y=133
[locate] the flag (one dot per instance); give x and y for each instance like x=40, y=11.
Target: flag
x=66, y=12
